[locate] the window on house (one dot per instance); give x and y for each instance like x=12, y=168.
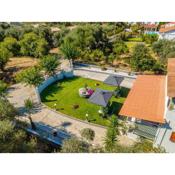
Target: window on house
x=172, y=138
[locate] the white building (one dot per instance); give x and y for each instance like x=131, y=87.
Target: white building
x=167, y=31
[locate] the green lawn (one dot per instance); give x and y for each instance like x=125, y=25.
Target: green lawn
x=138, y=39
x=65, y=94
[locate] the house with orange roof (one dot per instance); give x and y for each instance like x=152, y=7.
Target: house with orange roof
x=151, y=28
x=150, y=108
x=167, y=31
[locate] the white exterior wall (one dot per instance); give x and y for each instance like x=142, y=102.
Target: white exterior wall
x=164, y=133
x=168, y=35
x=51, y=80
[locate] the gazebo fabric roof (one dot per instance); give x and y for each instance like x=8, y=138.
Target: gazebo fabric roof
x=114, y=80
x=146, y=99
x=101, y=97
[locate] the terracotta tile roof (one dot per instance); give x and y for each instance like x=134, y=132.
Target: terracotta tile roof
x=171, y=77
x=150, y=26
x=166, y=29
x=146, y=99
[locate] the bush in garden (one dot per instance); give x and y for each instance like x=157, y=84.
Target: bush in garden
x=88, y=134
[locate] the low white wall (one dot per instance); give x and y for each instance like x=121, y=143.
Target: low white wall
x=50, y=80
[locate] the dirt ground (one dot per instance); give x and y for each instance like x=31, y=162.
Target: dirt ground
x=15, y=65
x=21, y=62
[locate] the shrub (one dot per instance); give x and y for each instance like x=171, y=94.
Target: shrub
x=12, y=45
x=3, y=87
x=30, y=76
x=49, y=64
x=104, y=68
x=150, y=38
x=74, y=145
x=75, y=106
x=88, y=134
x=7, y=110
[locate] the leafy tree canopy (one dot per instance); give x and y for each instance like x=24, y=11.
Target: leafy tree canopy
x=88, y=134
x=119, y=47
x=141, y=59
x=150, y=38
x=111, y=135
x=69, y=51
x=7, y=111
x=4, y=57
x=3, y=87
x=14, y=140
x=49, y=64
x=164, y=49
x=12, y=45
x=30, y=76
x=74, y=145
x=32, y=45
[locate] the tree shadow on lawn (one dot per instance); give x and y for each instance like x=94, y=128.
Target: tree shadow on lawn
x=115, y=108
x=68, y=79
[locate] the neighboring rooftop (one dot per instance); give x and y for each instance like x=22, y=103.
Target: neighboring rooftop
x=149, y=25
x=171, y=77
x=167, y=27
x=146, y=99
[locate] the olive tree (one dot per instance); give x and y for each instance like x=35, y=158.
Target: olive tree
x=141, y=59
x=7, y=110
x=88, y=134
x=31, y=76
x=4, y=57
x=111, y=135
x=29, y=105
x=3, y=87
x=49, y=64
x=32, y=45
x=13, y=140
x=12, y=45
x=74, y=145
x=69, y=52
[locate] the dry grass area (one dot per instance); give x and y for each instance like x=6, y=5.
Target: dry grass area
x=54, y=50
x=15, y=65
x=21, y=62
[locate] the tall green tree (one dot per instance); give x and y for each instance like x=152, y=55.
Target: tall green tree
x=111, y=135
x=150, y=38
x=141, y=59
x=4, y=57
x=3, y=87
x=88, y=134
x=164, y=49
x=119, y=47
x=2, y=34
x=74, y=145
x=32, y=45
x=29, y=105
x=69, y=52
x=7, y=110
x=13, y=140
x=12, y=45
x=49, y=63
x=31, y=76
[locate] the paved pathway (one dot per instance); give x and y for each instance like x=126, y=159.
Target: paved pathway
x=127, y=82
x=43, y=115
x=18, y=93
